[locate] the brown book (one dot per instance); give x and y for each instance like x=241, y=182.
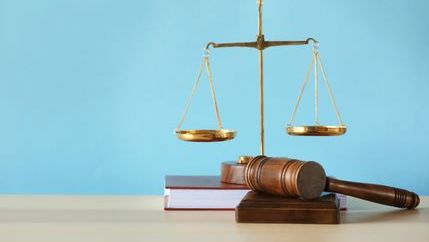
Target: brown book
x=201, y=193
x=264, y=208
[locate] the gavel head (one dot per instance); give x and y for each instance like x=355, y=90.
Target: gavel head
x=285, y=177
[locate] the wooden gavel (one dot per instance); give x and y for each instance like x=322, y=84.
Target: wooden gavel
x=296, y=178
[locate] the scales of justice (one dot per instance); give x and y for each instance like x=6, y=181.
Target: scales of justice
x=233, y=172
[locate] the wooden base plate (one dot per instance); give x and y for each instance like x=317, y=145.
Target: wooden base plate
x=263, y=208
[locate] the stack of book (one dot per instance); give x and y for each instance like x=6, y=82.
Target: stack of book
x=201, y=193
x=208, y=193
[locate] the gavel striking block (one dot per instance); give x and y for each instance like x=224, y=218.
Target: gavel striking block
x=265, y=208
x=295, y=178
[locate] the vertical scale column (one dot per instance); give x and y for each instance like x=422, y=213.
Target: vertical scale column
x=260, y=44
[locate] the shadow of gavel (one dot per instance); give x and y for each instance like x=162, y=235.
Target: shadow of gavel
x=296, y=178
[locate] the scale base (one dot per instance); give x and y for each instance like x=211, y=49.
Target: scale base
x=232, y=172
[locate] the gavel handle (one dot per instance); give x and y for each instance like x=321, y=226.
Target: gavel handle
x=375, y=193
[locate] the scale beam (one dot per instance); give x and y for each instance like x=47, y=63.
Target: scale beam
x=261, y=43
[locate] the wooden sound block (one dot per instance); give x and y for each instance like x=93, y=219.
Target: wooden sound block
x=264, y=208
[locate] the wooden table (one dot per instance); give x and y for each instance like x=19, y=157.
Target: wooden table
x=142, y=218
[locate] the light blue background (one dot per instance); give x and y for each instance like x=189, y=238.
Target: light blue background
x=91, y=90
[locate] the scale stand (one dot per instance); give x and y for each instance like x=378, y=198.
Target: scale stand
x=233, y=172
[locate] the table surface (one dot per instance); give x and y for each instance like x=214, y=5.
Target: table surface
x=142, y=218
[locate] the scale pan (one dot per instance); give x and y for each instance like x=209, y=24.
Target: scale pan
x=205, y=135
x=317, y=130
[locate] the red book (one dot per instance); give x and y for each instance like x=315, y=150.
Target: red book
x=201, y=193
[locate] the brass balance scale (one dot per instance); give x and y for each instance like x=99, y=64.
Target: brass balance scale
x=232, y=172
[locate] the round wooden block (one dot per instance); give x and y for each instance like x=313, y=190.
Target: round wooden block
x=232, y=172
